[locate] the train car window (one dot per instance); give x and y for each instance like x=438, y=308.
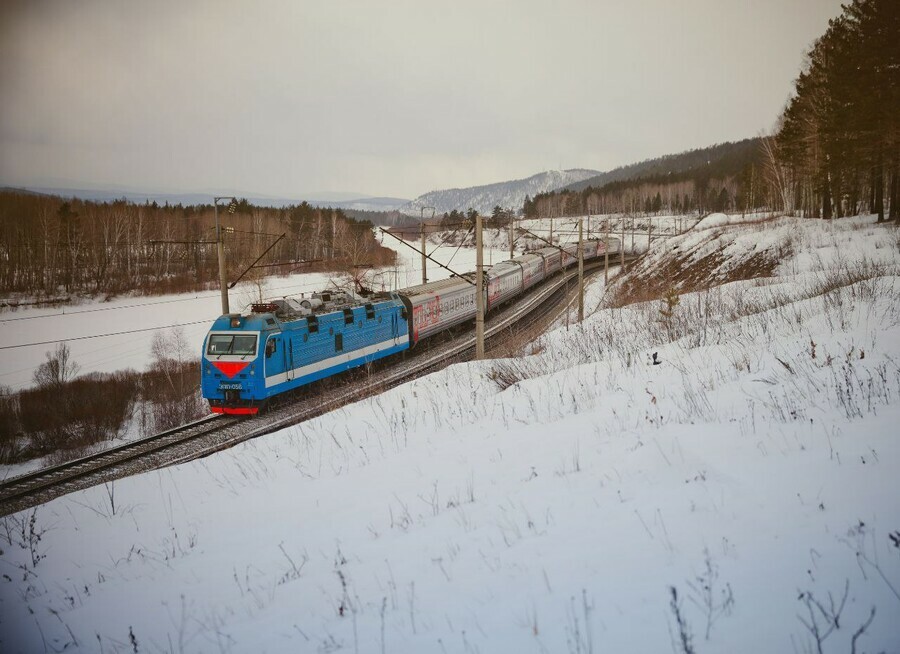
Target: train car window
x=313, y=323
x=348, y=316
x=338, y=342
x=370, y=311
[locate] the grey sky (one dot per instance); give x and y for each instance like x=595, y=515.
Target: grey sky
x=382, y=98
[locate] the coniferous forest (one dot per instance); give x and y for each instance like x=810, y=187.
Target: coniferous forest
x=835, y=150
x=838, y=140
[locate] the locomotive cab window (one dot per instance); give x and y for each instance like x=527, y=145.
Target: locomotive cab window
x=271, y=347
x=220, y=344
x=348, y=316
x=313, y=323
x=370, y=311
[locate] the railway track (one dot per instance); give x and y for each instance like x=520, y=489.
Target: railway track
x=215, y=433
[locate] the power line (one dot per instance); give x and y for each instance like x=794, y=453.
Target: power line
x=82, y=338
x=309, y=285
x=96, y=309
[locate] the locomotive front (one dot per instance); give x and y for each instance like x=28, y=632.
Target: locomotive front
x=232, y=376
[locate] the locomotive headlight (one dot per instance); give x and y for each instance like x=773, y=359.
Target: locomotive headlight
x=252, y=368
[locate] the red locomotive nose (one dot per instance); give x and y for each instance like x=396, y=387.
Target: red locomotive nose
x=230, y=368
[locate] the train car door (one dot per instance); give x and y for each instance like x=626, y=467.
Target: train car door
x=395, y=327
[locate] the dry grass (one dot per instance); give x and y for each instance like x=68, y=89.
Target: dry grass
x=686, y=274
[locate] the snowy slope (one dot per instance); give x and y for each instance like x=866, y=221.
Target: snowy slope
x=548, y=503
x=509, y=195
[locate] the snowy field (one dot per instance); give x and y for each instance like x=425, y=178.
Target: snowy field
x=549, y=503
x=193, y=312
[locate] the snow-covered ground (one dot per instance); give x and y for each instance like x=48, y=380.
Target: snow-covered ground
x=538, y=232
x=548, y=503
x=80, y=325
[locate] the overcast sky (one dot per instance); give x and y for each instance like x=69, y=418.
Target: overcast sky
x=292, y=97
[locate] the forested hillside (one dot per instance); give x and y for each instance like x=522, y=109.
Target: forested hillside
x=723, y=177
x=838, y=140
x=836, y=150
x=49, y=245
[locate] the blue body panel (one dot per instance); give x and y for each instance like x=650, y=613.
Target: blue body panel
x=290, y=354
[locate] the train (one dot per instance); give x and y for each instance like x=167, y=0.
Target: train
x=283, y=344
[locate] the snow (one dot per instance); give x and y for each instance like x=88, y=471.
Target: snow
x=545, y=503
x=720, y=219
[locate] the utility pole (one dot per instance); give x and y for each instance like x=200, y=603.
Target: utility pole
x=220, y=247
x=606, y=255
x=580, y=272
x=424, y=260
x=622, y=245
x=649, y=224
x=479, y=294
x=422, y=231
x=512, y=237
x=632, y=233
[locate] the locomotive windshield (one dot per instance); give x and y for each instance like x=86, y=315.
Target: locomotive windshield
x=220, y=344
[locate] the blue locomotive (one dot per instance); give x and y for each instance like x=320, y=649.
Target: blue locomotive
x=284, y=344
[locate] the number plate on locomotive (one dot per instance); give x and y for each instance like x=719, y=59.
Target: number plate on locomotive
x=230, y=387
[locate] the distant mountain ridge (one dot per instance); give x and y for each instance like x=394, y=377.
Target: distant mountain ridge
x=509, y=195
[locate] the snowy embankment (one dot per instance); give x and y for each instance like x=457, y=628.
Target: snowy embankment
x=549, y=503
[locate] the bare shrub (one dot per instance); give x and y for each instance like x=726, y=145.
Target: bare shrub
x=172, y=384
x=58, y=369
x=63, y=421
x=11, y=445
x=685, y=639
x=713, y=600
x=507, y=372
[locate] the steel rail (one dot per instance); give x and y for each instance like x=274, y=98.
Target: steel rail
x=14, y=489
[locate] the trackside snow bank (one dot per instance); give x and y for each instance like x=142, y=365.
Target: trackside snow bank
x=548, y=503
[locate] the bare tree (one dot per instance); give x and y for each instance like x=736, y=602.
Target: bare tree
x=58, y=369
x=777, y=173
